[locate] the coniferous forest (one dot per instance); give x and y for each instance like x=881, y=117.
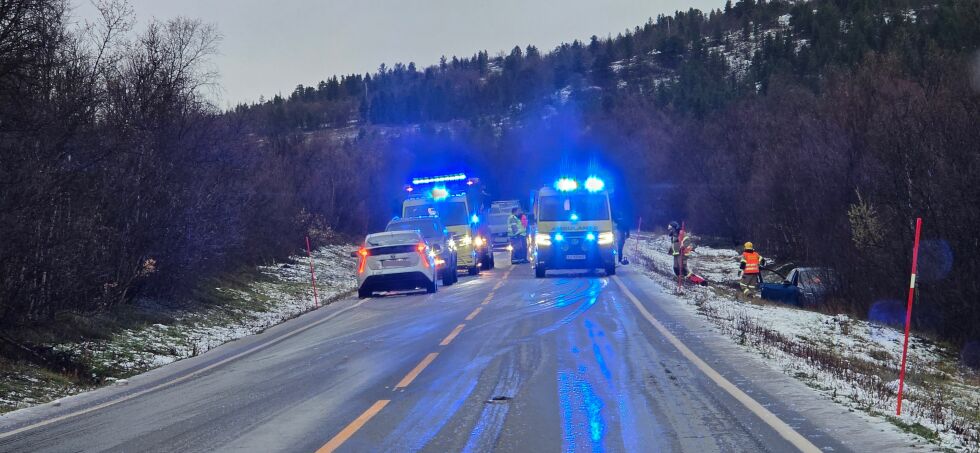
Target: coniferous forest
x=818, y=130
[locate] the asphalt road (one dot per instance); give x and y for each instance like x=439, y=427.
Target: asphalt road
x=502, y=361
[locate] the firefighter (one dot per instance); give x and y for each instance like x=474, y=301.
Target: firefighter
x=680, y=249
x=750, y=270
x=518, y=237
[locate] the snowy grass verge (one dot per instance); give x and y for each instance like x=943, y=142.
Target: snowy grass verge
x=851, y=361
x=277, y=293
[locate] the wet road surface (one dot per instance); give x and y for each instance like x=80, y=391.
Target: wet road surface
x=502, y=362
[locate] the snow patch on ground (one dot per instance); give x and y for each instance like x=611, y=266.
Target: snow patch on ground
x=283, y=292
x=851, y=361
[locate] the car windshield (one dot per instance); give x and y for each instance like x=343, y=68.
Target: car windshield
x=392, y=239
x=584, y=206
x=502, y=208
x=499, y=219
x=817, y=278
x=428, y=227
x=451, y=212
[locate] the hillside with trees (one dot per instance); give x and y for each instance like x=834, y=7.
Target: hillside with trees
x=816, y=129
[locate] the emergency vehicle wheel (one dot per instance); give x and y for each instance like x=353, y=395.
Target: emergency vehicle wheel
x=474, y=270
x=539, y=271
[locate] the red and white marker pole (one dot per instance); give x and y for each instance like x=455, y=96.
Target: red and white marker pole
x=680, y=248
x=908, y=314
x=309, y=253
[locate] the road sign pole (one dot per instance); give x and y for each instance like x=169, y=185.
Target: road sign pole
x=908, y=314
x=309, y=253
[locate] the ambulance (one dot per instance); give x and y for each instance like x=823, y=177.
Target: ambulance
x=574, y=227
x=457, y=200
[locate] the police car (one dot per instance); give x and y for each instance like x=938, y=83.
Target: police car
x=395, y=261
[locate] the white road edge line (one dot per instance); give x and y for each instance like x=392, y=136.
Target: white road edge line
x=179, y=379
x=784, y=430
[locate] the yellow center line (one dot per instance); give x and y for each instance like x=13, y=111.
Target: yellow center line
x=415, y=371
x=185, y=377
x=784, y=430
x=360, y=421
x=473, y=314
x=452, y=335
x=352, y=428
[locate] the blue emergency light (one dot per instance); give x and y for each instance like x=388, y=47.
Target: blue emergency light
x=566, y=185
x=573, y=217
x=559, y=237
x=439, y=193
x=590, y=236
x=443, y=178
x=474, y=219
x=593, y=184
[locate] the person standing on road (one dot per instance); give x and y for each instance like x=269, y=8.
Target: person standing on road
x=517, y=234
x=750, y=269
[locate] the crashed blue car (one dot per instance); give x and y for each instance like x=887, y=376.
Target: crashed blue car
x=803, y=286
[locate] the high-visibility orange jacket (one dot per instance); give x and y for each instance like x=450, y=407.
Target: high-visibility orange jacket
x=751, y=262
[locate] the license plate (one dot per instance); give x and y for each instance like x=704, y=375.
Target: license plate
x=574, y=257
x=394, y=263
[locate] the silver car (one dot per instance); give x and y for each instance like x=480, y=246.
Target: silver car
x=395, y=261
x=499, y=213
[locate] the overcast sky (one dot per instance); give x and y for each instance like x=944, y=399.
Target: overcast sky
x=269, y=47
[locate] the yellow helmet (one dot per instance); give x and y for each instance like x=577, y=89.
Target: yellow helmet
x=748, y=246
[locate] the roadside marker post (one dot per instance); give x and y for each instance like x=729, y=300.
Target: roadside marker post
x=309, y=253
x=908, y=314
x=636, y=241
x=680, y=248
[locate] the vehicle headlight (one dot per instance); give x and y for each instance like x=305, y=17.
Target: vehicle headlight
x=606, y=238
x=451, y=243
x=542, y=239
x=466, y=240
x=478, y=241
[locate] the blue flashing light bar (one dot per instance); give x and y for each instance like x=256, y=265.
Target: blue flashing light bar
x=559, y=237
x=566, y=185
x=593, y=184
x=443, y=178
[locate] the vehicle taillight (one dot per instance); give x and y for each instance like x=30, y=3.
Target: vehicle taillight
x=360, y=266
x=421, y=249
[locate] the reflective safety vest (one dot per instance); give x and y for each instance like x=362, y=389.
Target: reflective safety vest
x=514, y=226
x=751, y=262
x=676, y=246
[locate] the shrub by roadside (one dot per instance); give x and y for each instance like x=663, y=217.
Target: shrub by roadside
x=238, y=307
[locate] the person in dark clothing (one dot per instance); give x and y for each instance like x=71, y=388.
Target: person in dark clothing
x=622, y=233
